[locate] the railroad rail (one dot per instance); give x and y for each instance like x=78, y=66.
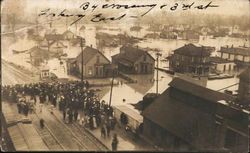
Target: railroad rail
x=47, y=135
x=82, y=134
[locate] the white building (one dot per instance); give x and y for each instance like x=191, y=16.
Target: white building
x=222, y=65
x=45, y=73
x=240, y=54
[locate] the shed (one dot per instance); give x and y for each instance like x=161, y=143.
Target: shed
x=134, y=118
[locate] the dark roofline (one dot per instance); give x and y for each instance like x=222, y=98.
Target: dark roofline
x=88, y=47
x=197, y=90
x=137, y=49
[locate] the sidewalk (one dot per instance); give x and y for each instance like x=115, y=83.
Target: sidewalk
x=126, y=141
x=24, y=136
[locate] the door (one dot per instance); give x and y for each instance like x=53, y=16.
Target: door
x=96, y=71
x=99, y=71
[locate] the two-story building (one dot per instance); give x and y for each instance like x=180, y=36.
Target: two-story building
x=191, y=59
x=190, y=117
x=222, y=65
x=90, y=63
x=134, y=60
x=240, y=55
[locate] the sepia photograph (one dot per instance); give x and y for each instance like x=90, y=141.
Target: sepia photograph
x=125, y=75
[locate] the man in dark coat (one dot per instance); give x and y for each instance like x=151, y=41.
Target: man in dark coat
x=75, y=115
x=70, y=116
x=114, y=143
x=103, y=132
x=108, y=129
x=64, y=114
x=41, y=123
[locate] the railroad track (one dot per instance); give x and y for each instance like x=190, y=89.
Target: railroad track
x=83, y=137
x=100, y=146
x=47, y=135
x=79, y=140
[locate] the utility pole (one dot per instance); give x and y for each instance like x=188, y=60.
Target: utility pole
x=157, y=75
x=201, y=67
x=37, y=26
x=112, y=84
x=82, y=59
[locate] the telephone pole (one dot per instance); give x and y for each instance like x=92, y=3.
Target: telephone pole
x=112, y=84
x=82, y=59
x=157, y=75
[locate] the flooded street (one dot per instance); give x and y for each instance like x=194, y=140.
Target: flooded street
x=145, y=83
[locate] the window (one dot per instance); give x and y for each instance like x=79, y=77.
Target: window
x=145, y=58
x=204, y=60
x=90, y=70
x=207, y=69
x=97, y=59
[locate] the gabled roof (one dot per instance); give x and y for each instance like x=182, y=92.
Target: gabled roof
x=184, y=120
x=131, y=54
x=36, y=51
x=60, y=44
x=236, y=50
x=68, y=32
x=199, y=91
x=181, y=120
x=46, y=43
x=245, y=76
x=192, y=50
x=89, y=53
x=83, y=27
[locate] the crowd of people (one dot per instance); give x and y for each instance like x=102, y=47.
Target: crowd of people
x=71, y=98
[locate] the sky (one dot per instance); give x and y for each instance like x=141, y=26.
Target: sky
x=227, y=7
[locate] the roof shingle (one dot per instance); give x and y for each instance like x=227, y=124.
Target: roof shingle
x=131, y=54
x=192, y=50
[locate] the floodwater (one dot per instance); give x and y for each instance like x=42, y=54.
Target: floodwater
x=132, y=93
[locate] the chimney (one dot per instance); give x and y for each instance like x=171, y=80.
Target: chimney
x=227, y=46
x=91, y=46
x=232, y=46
